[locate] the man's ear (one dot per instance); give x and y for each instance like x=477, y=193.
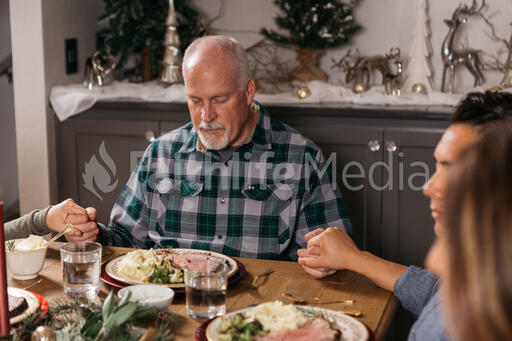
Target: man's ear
x=250, y=90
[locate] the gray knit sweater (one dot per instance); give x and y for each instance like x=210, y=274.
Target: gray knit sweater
x=417, y=290
x=31, y=223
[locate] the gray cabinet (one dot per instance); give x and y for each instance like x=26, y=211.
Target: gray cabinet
x=407, y=227
x=96, y=158
x=389, y=213
x=348, y=146
x=390, y=217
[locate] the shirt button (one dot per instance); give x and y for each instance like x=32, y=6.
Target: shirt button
x=222, y=201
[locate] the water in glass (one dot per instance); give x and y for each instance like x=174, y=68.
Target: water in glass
x=206, y=291
x=81, y=268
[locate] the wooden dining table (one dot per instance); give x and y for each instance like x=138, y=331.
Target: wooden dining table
x=378, y=306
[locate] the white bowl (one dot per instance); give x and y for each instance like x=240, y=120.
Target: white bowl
x=25, y=264
x=149, y=294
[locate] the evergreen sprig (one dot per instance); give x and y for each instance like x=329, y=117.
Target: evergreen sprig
x=114, y=320
x=133, y=24
x=10, y=245
x=314, y=23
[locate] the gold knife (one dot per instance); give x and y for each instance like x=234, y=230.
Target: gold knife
x=356, y=313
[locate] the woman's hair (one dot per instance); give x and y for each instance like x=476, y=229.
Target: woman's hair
x=478, y=239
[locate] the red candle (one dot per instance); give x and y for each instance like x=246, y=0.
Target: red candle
x=5, y=328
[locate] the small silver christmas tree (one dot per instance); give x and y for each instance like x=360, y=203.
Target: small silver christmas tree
x=419, y=68
x=171, y=71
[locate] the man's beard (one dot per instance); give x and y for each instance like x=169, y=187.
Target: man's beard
x=210, y=141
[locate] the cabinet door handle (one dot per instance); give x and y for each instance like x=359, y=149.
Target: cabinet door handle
x=391, y=146
x=150, y=135
x=374, y=145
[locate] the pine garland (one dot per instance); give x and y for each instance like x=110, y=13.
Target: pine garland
x=314, y=23
x=133, y=24
x=87, y=321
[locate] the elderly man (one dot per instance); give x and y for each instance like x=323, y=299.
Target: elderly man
x=233, y=180
x=416, y=288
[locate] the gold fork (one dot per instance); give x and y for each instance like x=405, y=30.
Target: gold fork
x=256, y=281
x=108, y=257
x=32, y=284
x=312, y=300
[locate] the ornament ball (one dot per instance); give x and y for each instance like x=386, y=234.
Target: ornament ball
x=419, y=88
x=303, y=92
x=43, y=333
x=360, y=87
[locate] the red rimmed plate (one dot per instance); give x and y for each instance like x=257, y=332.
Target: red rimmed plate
x=43, y=304
x=34, y=301
x=113, y=267
x=200, y=334
x=115, y=283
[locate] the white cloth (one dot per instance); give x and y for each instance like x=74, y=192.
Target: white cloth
x=322, y=92
x=73, y=99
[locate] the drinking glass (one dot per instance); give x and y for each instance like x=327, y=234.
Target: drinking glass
x=205, y=286
x=81, y=268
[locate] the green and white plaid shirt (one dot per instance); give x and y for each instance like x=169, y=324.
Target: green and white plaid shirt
x=259, y=203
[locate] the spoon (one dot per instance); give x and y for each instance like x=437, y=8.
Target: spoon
x=66, y=229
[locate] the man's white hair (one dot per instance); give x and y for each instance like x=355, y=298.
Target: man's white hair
x=231, y=47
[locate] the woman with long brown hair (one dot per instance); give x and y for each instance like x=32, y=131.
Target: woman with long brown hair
x=473, y=255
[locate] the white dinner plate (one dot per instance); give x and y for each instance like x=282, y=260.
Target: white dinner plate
x=112, y=267
x=33, y=304
x=351, y=329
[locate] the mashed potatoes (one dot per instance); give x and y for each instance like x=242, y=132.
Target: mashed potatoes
x=31, y=243
x=277, y=317
x=139, y=264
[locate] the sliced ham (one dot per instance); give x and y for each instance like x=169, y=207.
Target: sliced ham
x=201, y=261
x=317, y=329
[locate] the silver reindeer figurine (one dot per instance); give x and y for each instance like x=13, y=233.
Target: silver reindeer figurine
x=393, y=81
x=468, y=57
x=361, y=67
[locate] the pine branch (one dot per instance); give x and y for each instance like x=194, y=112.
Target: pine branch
x=138, y=23
x=314, y=23
x=71, y=318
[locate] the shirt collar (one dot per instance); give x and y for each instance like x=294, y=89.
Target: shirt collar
x=261, y=136
x=189, y=145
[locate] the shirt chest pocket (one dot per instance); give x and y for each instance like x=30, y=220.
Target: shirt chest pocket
x=269, y=216
x=180, y=206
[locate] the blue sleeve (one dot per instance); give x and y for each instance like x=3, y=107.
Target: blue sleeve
x=414, y=289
